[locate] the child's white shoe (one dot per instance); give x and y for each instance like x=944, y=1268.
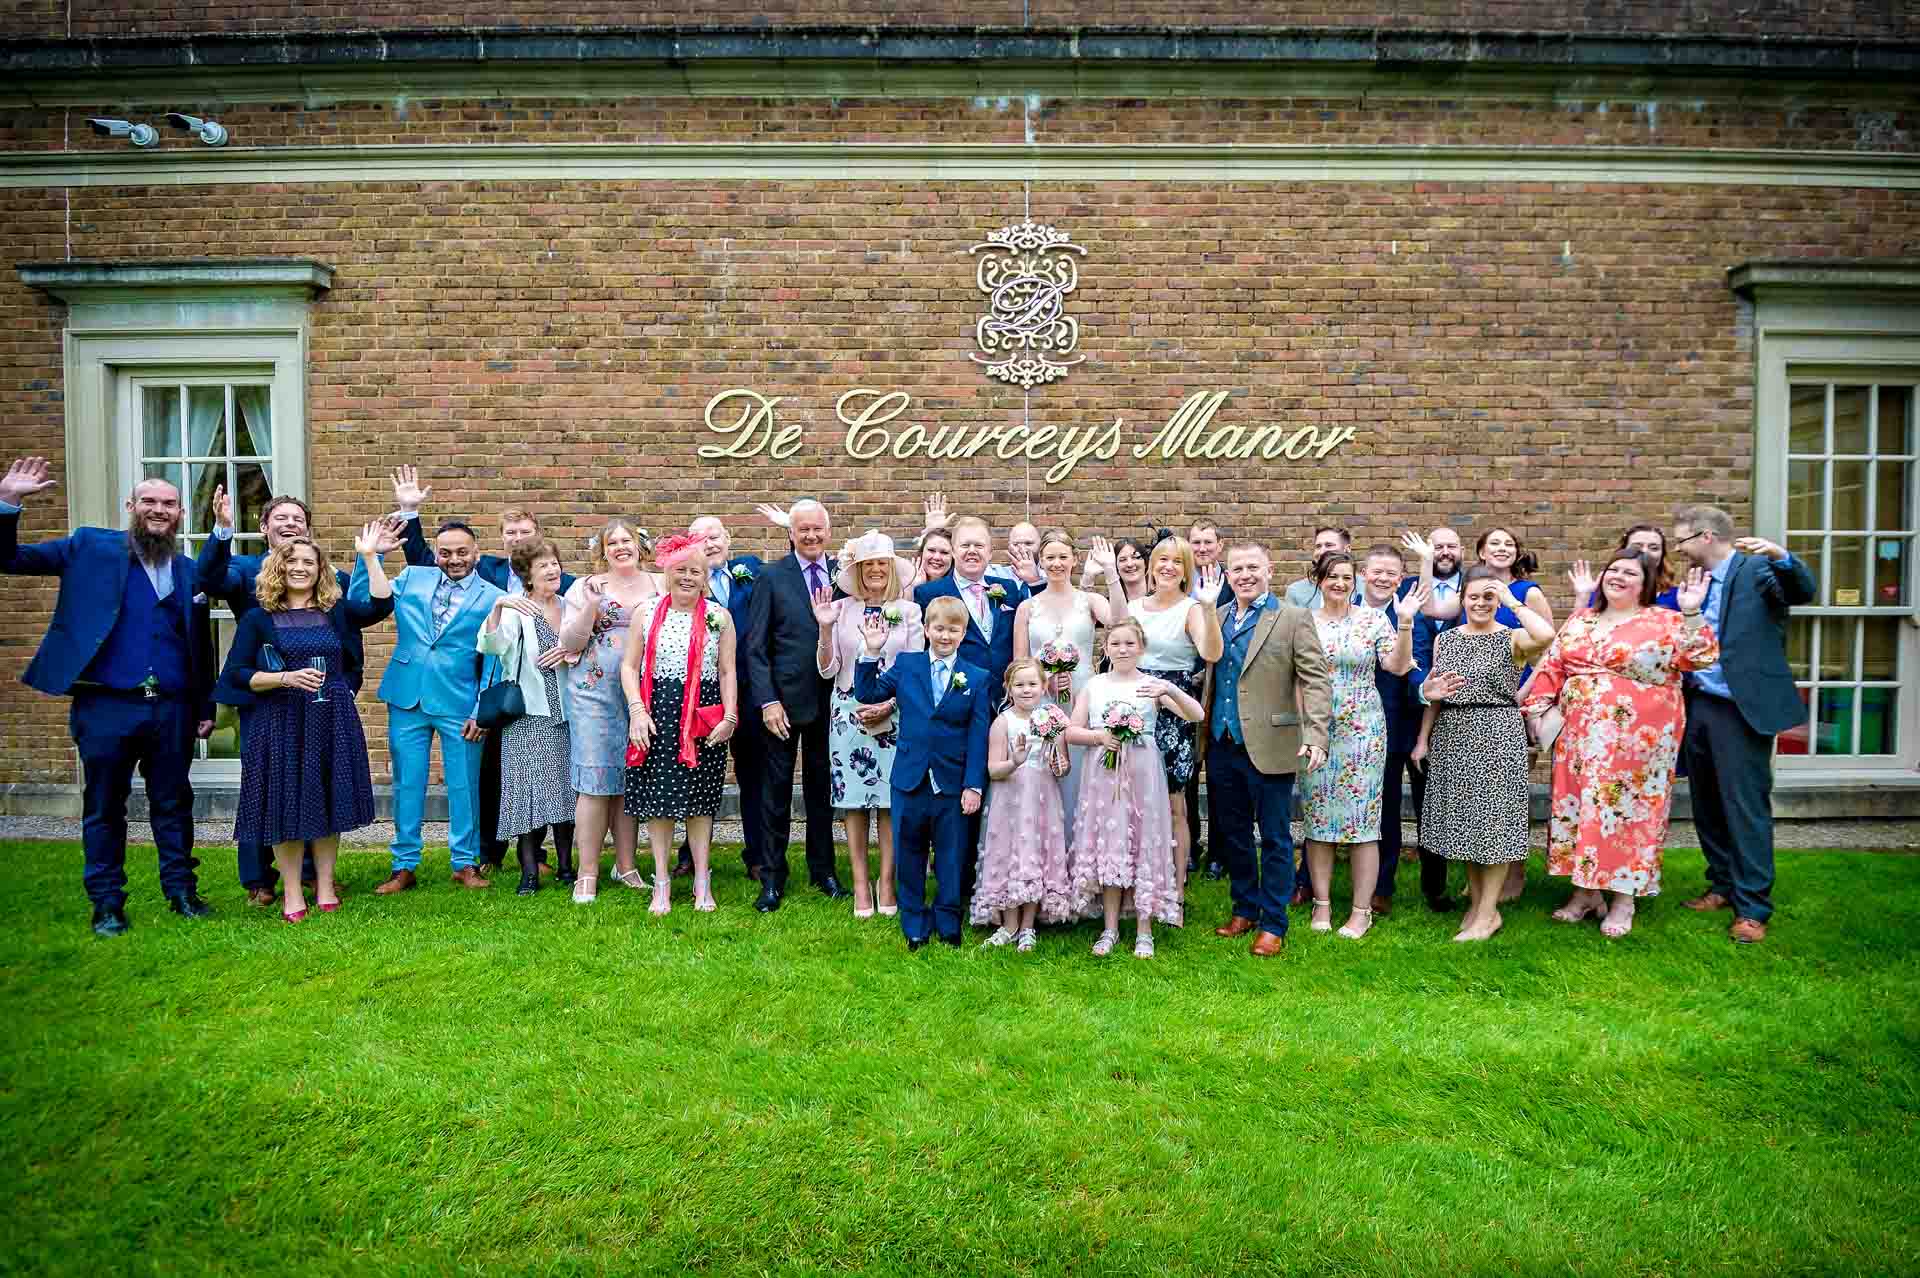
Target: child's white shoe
x=1000, y=937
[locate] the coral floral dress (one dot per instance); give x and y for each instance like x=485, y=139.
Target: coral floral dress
x=1619, y=688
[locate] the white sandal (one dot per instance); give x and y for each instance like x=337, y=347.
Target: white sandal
x=1000, y=937
x=1328, y=925
x=632, y=878
x=1143, y=947
x=1346, y=929
x=1104, y=946
x=1024, y=940
x=586, y=889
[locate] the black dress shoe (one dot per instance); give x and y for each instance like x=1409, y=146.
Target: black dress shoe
x=831, y=889
x=1440, y=904
x=954, y=941
x=1216, y=871
x=769, y=900
x=189, y=905
x=110, y=920
x=920, y=944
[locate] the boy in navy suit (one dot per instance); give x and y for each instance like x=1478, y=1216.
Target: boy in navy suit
x=940, y=770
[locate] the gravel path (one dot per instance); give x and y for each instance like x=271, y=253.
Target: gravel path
x=1901, y=836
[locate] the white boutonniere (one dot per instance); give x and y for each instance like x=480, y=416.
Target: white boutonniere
x=891, y=614
x=740, y=573
x=996, y=593
x=958, y=681
x=713, y=621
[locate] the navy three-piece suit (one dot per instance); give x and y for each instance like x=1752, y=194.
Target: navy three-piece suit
x=942, y=751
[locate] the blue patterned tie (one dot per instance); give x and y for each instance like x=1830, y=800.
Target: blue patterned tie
x=720, y=583
x=939, y=681
x=442, y=606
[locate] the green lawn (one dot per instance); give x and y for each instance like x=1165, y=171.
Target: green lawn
x=462, y=1081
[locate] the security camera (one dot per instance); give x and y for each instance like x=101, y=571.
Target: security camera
x=207, y=131
x=138, y=134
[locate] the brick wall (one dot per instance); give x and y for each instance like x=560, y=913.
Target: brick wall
x=553, y=343
x=1866, y=19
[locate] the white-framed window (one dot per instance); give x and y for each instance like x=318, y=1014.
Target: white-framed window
x=1851, y=469
x=1836, y=479
x=193, y=371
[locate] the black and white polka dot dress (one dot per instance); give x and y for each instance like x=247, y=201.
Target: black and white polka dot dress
x=1476, y=800
x=662, y=786
x=536, y=774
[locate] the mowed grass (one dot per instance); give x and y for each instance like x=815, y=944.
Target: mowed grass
x=456, y=1081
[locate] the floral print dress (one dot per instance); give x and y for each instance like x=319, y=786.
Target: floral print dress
x=1343, y=796
x=1619, y=687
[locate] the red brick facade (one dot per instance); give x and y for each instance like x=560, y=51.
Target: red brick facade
x=1564, y=356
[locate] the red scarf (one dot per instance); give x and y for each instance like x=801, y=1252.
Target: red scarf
x=696, y=721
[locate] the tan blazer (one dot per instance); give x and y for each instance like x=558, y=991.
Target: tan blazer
x=1284, y=655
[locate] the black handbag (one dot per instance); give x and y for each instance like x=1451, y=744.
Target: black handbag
x=502, y=701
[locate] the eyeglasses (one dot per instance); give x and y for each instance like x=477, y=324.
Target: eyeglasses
x=1690, y=536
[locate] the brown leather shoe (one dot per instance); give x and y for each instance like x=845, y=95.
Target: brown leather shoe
x=1747, y=931
x=262, y=897
x=1236, y=926
x=399, y=881
x=1382, y=906
x=1707, y=904
x=1299, y=897
x=546, y=871
x=470, y=878
x=1266, y=945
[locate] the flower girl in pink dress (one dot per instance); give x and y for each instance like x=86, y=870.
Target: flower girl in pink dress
x=1023, y=856
x=1123, y=827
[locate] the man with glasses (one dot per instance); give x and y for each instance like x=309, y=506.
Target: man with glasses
x=1736, y=707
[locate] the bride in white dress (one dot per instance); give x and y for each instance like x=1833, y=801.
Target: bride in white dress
x=1060, y=612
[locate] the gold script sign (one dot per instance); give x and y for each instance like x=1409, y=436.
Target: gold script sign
x=748, y=420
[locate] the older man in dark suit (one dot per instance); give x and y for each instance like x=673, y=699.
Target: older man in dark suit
x=784, y=686
x=1736, y=707
x=123, y=646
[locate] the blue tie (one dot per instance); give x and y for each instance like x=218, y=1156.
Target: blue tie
x=939, y=681
x=720, y=584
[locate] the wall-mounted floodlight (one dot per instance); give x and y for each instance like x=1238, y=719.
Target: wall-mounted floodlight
x=208, y=131
x=138, y=134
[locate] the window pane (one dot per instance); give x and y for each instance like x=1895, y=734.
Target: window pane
x=1881, y=657
x=1890, y=571
x=206, y=477
x=1836, y=648
x=1849, y=495
x=160, y=436
x=1890, y=513
x=1794, y=739
x=250, y=496
x=1800, y=646
x=1807, y=420
x=174, y=474
x=225, y=742
x=252, y=421
x=206, y=421
x=1850, y=419
x=1847, y=566
x=1806, y=481
x=1896, y=419
x=1879, y=720
x=1833, y=733
x=1810, y=551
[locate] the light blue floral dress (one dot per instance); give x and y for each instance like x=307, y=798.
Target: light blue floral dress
x=1343, y=796
x=598, y=705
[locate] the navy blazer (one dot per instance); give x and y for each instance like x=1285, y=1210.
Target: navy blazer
x=948, y=741
x=230, y=578
x=495, y=570
x=996, y=655
x=740, y=593
x=783, y=643
x=92, y=566
x=1397, y=696
x=255, y=631
x=1758, y=595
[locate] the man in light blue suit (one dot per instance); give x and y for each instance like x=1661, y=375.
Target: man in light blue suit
x=432, y=688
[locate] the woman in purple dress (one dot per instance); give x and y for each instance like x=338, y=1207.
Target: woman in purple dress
x=304, y=778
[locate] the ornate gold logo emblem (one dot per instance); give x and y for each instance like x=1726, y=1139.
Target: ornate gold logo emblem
x=1027, y=270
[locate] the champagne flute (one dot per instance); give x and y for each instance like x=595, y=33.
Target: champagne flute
x=320, y=664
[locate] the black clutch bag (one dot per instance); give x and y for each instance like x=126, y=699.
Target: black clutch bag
x=502, y=701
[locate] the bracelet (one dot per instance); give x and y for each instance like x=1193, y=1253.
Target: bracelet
x=1695, y=613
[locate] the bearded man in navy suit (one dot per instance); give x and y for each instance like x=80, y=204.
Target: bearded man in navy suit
x=127, y=644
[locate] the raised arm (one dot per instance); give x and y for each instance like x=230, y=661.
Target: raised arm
x=1535, y=632
x=1203, y=627
x=583, y=609
x=25, y=477
x=408, y=496
x=1102, y=555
